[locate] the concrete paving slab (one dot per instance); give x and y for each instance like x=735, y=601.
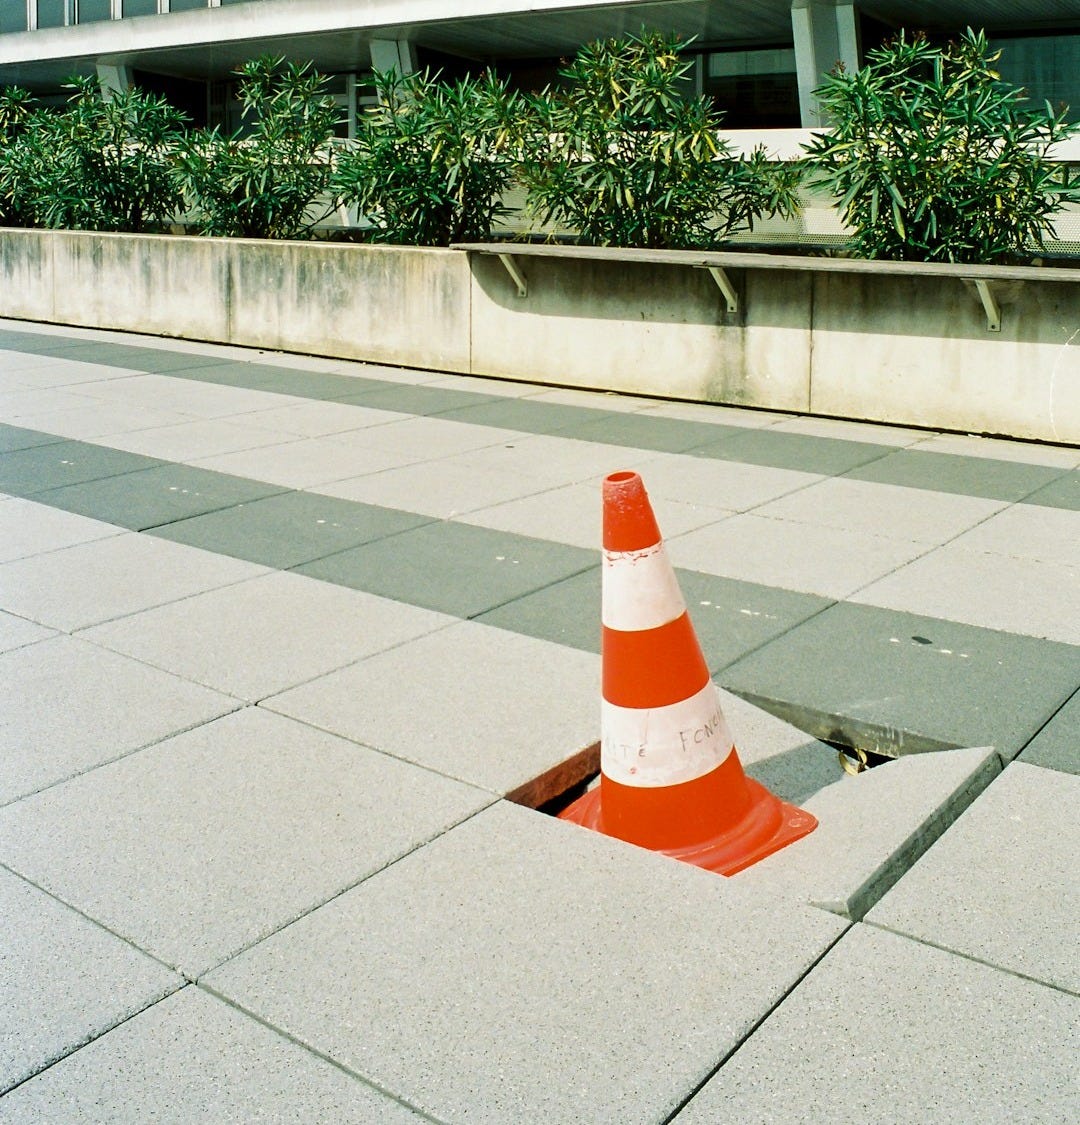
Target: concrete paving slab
x=497, y=388
x=949, y=472
x=844, y=430
x=525, y=418
x=199, y=399
x=873, y=827
x=15, y=632
x=288, y=529
x=529, y=942
x=32, y=528
x=1028, y=531
x=802, y=452
x=1000, y=886
x=318, y=419
x=18, y=402
x=1001, y=449
x=310, y=462
x=49, y=371
x=595, y=400
x=280, y=378
x=441, y=491
x=189, y=441
x=69, y=706
x=19, y=437
x=573, y=514
x=53, y=465
x=1061, y=493
x=480, y=704
x=193, y=1058
x=95, y=582
x=813, y=559
x=417, y=400
x=897, y=680
x=1057, y=745
x=893, y=511
x=454, y=568
x=554, y=460
x=673, y=478
x=429, y=439
x=63, y=980
x=886, y=1031
x=636, y=431
x=103, y=420
x=263, y=636
x=156, y=497
x=708, y=412
x=209, y=841
x=1028, y=596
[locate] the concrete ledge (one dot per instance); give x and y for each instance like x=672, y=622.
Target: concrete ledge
x=976, y=348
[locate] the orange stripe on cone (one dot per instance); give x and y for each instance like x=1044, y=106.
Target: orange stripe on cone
x=671, y=779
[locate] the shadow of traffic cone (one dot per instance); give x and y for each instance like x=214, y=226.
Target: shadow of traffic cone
x=671, y=780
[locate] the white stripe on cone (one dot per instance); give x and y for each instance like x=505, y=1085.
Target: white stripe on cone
x=640, y=590
x=657, y=746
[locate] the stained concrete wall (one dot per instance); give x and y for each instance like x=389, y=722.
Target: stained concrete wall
x=910, y=350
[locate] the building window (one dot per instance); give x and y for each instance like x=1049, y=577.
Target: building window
x=186, y=5
x=12, y=16
x=52, y=13
x=755, y=89
x=91, y=11
x=139, y=8
x=1047, y=66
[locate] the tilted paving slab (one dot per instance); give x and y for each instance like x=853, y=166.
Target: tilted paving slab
x=1002, y=449
x=806, y=453
x=873, y=827
x=67, y=706
x=1057, y=745
x=1028, y=531
x=452, y=567
x=55, y=464
x=906, y=682
x=487, y=706
x=192, y=1057
x=638, y=431
x=29, y=527
x=94, y=582
x=63, y=980
x=15, y=632
x=523, y=969
x=886, y=1031
x=14, y=438
x=1064, y=492
x=206, y=437
x=203, y=844
x=265, y=635
x=1001, y=884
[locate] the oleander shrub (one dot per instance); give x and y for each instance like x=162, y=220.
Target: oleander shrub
x=624, y=154
x=932, y=157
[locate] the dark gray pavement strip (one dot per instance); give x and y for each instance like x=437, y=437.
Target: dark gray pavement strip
x=805, y=452
x=152, y=497
x=290, y=528
x=939, y=682
x=27, y=471
x=1057, y=745
x=13, y=438
x=1064, y=492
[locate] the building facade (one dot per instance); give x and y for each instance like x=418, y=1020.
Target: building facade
x=759, y=59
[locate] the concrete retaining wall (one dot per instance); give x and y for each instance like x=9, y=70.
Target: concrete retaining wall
x=910, y=350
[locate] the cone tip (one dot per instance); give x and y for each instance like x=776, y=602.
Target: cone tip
x=629, y=523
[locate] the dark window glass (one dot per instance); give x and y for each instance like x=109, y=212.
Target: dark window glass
x=12, y=15
x=139, y=7
x=186, y=5
x=50, y=13
x=90, y=11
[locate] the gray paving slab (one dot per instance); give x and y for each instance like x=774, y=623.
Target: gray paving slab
x=525, y=418
x=572, y=514
x=30, y=527
x=805, y=453
x=895, y=679
x=50, y=371
x=283, y=380
x=730, y=618
x=950, y=472
x=288, y=529
x=811, y=558
x=63, y=980
x=547, y=974
x=1002, y=449
x=95, y=582
x=480, y=704
x=103, y=419
x=265, y=635
x=15, y=632
x=638, y=431
x=318, y=419
x=1028, y=531
x=193, y=1058
x=452, y=567
x=69, y=706
x=845, y=430
x=417, y=400
x=310, y=462
x=19, y=437
x=203, y=844
x=886, y=1031
x=189, y=441
x=674, y=478
x=1057, y=745
x=1031, y=596
x=1061, y=493
x=862, y=508
x=155, y=497
x=708, y=412
x=431, y=438
x=18, y=402
x=595, y=400
x=199, y=399
x=1001, y=886
x=872, y=828
x=553, y=459
x=53, y=465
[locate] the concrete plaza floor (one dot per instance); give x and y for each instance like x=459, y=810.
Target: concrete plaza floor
x=278, y=637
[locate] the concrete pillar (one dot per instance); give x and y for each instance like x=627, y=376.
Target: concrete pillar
x=113, y=78
x=826, y=32
x=393, y=54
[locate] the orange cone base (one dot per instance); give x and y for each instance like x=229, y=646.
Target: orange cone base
x=768, y=825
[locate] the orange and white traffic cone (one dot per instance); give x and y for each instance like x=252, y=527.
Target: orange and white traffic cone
x=671, y=779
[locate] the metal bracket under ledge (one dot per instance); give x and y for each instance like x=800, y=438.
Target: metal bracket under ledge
x=989, y=304
x=724, y=282
x=515, y=273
